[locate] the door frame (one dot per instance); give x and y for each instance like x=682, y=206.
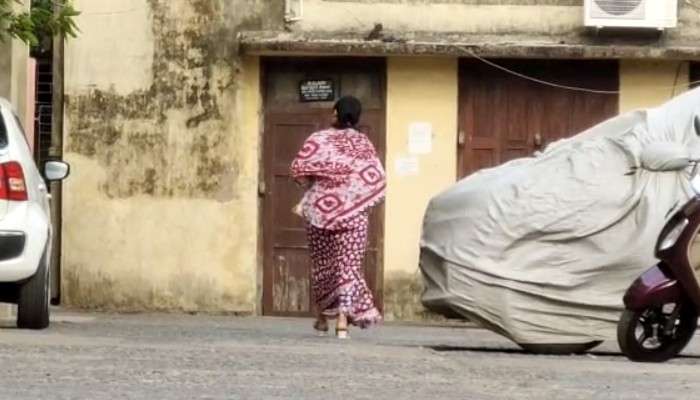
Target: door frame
x=262, y=258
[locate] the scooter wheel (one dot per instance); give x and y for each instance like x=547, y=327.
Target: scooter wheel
x=641, y=336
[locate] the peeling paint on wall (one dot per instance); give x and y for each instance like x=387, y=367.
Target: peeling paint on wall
x=172, y=139
x=161, y=210
x=402, y=298
x=188, y=291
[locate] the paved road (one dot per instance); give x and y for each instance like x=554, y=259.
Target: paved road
x=99, y=356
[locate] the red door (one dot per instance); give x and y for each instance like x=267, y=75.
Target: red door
x=288, y=122
x=503, y=117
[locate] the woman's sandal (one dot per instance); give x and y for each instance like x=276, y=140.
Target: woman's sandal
x=342, y=333
x=321, y=327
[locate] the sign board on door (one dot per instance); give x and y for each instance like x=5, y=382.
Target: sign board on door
x=316, y=90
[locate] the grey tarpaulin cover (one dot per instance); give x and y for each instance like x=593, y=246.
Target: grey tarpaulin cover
x=542, y=249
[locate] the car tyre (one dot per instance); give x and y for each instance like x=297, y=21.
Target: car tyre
x=33, y=299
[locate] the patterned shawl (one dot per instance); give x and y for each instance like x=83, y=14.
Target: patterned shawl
x=347, y=176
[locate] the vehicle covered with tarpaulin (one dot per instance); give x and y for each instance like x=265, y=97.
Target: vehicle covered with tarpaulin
x=542, y=249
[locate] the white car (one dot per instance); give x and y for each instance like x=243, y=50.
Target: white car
x=25, y=224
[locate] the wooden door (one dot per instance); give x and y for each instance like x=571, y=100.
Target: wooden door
x=288, y=122
x=503, y=117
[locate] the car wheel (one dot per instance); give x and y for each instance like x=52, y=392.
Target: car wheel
x=33, y=299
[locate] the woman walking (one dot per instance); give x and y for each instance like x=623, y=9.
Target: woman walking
x=344, y=178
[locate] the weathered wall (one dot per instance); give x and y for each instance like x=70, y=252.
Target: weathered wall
x=418, y=90
x=560, y=19
x=161, y=209
x=438, y=16
x=14, y=61
x=650, y=83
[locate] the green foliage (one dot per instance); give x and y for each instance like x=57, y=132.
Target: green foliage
x=46, y=19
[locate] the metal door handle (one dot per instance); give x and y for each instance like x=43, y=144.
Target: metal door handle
x=461, y=138
x=538, y=139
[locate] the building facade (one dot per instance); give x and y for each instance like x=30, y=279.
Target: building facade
x=181, y=117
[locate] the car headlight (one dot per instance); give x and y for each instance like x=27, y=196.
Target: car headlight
x=672, y=236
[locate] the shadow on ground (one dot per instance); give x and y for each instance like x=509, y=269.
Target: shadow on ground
x=486, y=350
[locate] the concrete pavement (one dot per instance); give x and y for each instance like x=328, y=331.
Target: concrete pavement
x=104, y=356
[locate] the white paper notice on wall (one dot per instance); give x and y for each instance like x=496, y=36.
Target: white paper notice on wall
x=420, y=138
x=407, y=166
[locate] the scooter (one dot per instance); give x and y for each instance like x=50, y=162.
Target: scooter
x=661, y=306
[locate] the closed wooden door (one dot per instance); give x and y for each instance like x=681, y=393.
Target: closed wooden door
x=503, y=117
x=288, y=122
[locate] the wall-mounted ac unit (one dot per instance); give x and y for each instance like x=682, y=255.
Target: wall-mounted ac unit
x=656, y=14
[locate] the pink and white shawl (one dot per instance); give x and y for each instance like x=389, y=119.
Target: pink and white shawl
x=346, y=173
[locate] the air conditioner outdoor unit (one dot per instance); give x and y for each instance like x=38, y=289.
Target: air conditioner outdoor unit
x=656, y=14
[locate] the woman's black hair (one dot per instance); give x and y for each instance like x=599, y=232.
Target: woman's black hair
x=348, y=110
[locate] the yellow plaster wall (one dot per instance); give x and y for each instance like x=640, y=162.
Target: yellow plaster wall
x=418, y=90
x=14, y=62
x=161, y=208
x=250, y=111
x=442, y=16
x=650, y=83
